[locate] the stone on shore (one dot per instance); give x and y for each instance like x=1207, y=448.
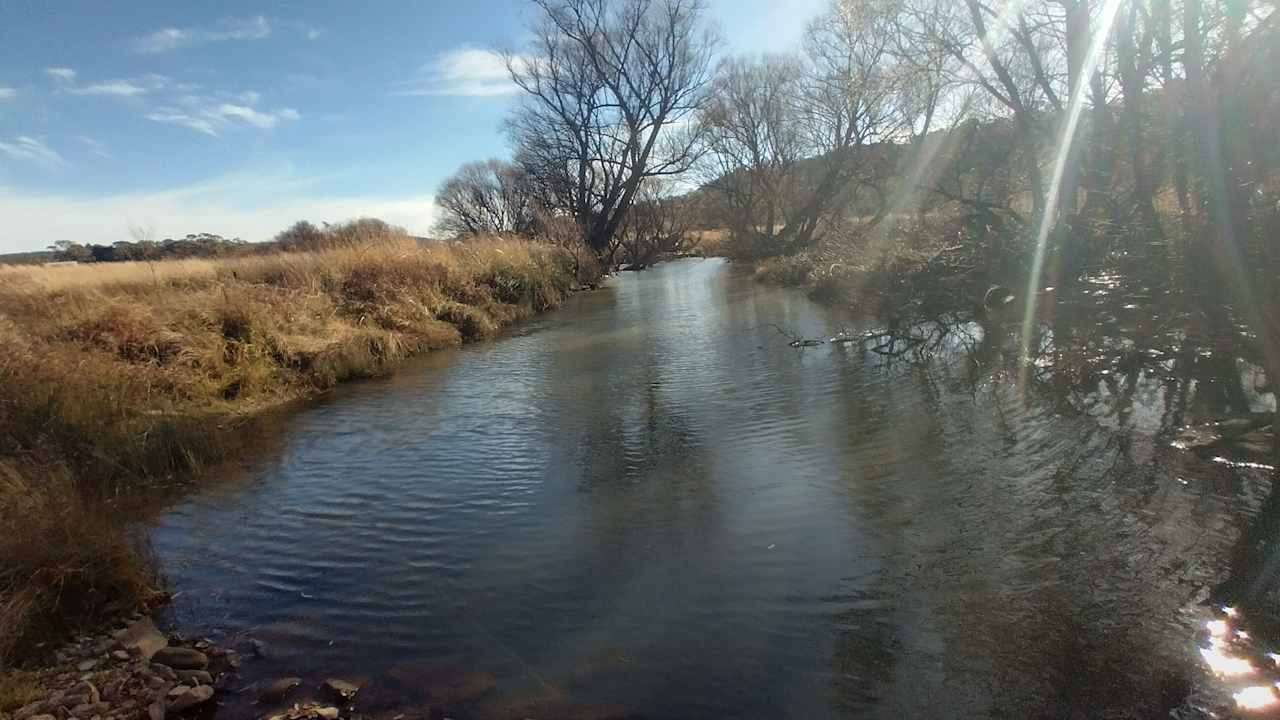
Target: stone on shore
x=278, y=690
x=142, y=637
x=340, y=689
x=109, y=677
x=189, y=698
x=195, y=677
x=180, y=658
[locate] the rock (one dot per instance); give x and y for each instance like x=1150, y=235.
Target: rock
x=155, y=711
x=164, y=671
x=81, y=693
x=180, y=658
x=40, y=707
x=142, y=637
x=189, y=699
x=177, y=690
x=88, y=710
x=121, y=655
x=327, y=713
x=195, y=677
x=87, y=665
x=278, y=690
x=44, y=717
x=340, y=689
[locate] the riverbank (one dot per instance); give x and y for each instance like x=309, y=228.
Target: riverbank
x=132, y=670
x=939, y=260
x=118, y=377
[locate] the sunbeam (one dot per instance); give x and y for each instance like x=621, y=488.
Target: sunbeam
x=1096, y=47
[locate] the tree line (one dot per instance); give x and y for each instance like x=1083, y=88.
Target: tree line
x=1068, y=136
x=302, y=236
x=1169, y=104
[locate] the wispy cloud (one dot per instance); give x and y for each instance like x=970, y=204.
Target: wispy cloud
x=7, y=93
x=314, y=33
x=61, y=74
x=212, y=117
x=117, y=88
x=121, y=87
x=466, y=71
x=172, y=38
x=264, y=120
x=95, y=147
x=176, y=117
x=29, y=149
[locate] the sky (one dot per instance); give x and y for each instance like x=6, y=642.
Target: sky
x=241, y=118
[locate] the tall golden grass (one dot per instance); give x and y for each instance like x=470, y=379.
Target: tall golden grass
x=114, y=375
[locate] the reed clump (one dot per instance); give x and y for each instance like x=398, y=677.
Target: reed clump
x=115, y=376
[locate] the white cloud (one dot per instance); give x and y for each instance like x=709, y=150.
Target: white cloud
x=465, y=71
x=211, y=117
x=245, y=205
x=172, y=38
x=163, y=40
x=314, y=33
x=177, y=117
x=61, y=74
x=255, y=28
x=96, y=147
x=31, y=149
x=7, y=93
x=116, y=88
x=253, y=117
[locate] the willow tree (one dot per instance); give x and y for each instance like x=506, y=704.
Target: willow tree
x=793, y=136
x=610, y=90
x=491, y=197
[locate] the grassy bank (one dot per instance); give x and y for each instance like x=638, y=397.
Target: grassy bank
x=114, y=377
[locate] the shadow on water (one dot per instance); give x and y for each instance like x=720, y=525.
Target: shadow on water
x=649, y=504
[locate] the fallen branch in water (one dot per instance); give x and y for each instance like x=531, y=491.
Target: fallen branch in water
x=796, y=341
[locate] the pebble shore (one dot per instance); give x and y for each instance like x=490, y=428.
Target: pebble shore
x=136, y=671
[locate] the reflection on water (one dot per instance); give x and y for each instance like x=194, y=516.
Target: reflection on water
x=649, y=504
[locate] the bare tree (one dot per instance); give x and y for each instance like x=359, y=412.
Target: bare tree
x=757, y=147
x=658, y=225
x=492, y=197
x=795, y=139
x=610, y=88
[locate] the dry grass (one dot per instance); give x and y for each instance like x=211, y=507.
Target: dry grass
x=18, y=688
x=67, y=564
x=115, y=373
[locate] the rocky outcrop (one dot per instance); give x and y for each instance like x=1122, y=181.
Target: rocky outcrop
x=133, y=672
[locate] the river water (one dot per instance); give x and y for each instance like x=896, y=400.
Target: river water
x=648, y=504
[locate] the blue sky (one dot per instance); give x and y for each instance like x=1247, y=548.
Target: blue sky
x=239, y=118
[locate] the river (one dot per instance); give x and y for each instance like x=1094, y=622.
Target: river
x=648, y=504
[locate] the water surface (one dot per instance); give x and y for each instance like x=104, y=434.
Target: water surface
x=647, y=504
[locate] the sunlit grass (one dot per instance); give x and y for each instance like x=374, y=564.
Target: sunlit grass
x=115, y=374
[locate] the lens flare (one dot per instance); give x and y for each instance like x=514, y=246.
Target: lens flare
x=1097, y=46
x=1258, y=697
x=1225, y=665
x=1218, y=628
